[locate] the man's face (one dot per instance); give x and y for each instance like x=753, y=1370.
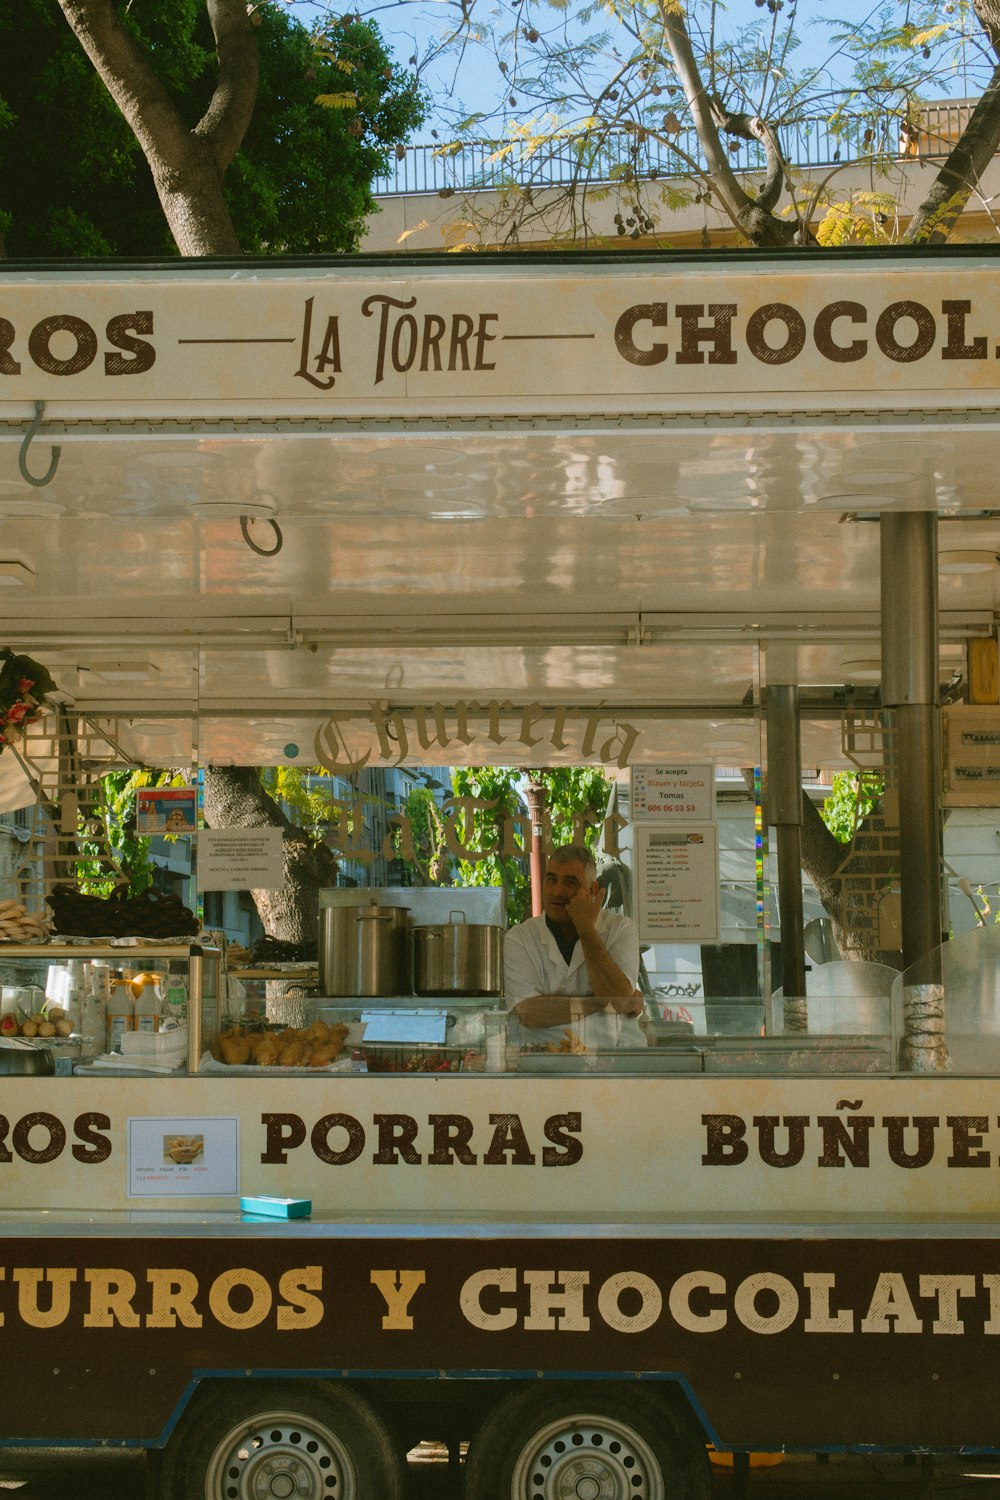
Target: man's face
x=560, y=885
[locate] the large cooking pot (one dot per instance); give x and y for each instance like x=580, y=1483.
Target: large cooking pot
x=17, y=1056
x=365, y=950
x=458, y=958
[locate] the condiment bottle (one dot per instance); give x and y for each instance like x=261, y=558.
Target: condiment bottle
x=121, y=1011
x=147, y=1006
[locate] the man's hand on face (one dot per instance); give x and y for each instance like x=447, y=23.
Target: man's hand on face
x=582, y=908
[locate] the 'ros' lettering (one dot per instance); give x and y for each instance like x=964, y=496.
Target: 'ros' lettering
x=64, y=344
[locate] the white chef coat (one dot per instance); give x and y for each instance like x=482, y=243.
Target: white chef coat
x=533, y=965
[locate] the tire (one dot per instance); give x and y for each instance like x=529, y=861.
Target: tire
x=588, y=1441
x=262, y=1440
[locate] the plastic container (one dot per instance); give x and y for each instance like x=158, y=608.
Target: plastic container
x=121, y=1011
x=174, y=998
x=94, y=1013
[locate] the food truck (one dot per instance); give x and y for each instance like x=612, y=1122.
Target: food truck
x=660, y=513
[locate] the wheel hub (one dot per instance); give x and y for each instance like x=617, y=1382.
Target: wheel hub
x=585, y=1459
x=587, y=1487
x=281, y=1458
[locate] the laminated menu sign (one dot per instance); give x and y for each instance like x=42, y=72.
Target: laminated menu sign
x=673, y=793
x=677, y=879
x=196, y=1157
x=240, y=859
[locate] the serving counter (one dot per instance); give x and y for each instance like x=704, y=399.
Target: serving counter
x=656, y=1210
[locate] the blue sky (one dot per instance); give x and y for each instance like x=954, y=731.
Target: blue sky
x=409, y=26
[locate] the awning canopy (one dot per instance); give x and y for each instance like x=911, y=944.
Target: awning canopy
x=512, y=509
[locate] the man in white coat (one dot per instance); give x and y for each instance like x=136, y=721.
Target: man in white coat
x=573, y=970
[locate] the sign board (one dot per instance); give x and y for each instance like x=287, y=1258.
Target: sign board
x=405, y=1025
x=818, y=1134
x=183, y=1157
x=161, y=810
x=240, y=859
x=673, y=793
x=838, y=1338
x=356, y=340
x=677, y=883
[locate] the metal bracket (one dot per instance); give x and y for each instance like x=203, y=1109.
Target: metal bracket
x=247, y=521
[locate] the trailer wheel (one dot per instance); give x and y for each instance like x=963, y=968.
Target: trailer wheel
x=588, y=1442
x=270, y=1440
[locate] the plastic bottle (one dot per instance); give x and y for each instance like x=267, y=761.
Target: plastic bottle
x=121, y=1011
x=94, y=1010
x=147, y=1006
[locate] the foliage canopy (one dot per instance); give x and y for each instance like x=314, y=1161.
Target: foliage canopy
x=74, y=180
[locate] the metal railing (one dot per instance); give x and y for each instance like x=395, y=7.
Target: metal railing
x=810, y=142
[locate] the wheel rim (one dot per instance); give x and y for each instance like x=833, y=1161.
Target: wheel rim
x=587, y=1458
x=280, y=1456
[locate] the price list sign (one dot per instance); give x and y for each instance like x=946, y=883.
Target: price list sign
x=673, y=793
x=678, y=884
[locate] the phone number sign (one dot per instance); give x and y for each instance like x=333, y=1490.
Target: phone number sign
x=673, y=793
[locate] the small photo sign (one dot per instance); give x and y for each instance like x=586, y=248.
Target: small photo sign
x=160, y=810
x=183, y=1157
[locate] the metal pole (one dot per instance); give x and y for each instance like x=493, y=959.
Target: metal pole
x=534, y=793
x=784, y=811
x=910, y=690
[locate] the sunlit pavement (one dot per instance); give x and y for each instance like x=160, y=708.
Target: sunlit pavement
x=797, y=1477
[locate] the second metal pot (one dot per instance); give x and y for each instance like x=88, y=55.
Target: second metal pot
x=365, y=950
x=458, y=958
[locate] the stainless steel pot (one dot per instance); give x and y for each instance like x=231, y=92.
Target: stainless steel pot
x=18, y=1056
x=458, y=958
x=365, y=950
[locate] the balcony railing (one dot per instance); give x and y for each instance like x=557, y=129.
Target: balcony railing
x=815, y=142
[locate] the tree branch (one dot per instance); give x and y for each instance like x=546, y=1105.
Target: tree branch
x=128, y=76
x=225, y=121
x=752, y=216
x=753, y=128
x=961, y=172
x=726, y=182
x=988, y=16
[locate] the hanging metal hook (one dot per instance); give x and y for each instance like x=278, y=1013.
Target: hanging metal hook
x=22, y=457
x=247, y=521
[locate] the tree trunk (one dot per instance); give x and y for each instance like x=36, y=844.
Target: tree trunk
x=849, y=908
x=234, y=798
x=188, y=166
x=849, y=897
